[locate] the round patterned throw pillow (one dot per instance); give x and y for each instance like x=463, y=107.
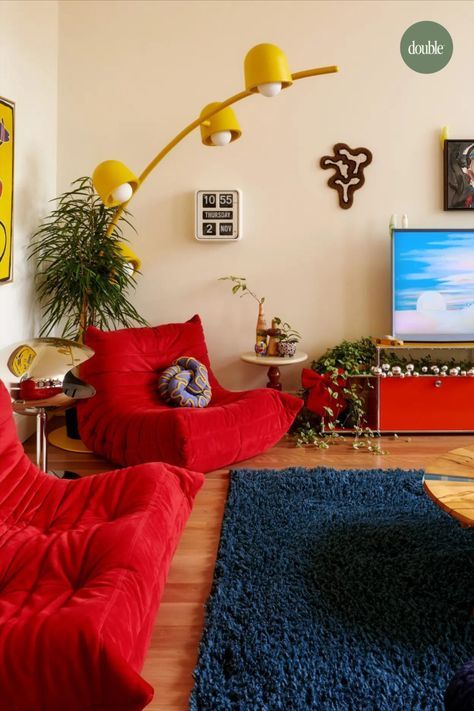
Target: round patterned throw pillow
x=185, y=383
x=460, y=692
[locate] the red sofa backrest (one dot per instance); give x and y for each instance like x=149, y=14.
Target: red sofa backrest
x=14, y=464
x=131, y=358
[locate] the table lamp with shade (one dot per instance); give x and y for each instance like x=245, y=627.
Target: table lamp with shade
x=46, y=379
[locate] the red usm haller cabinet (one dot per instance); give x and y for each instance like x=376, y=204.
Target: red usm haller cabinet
x=428, y=403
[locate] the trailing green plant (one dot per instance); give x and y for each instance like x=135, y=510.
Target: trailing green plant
x=81, y=275
x=353, y=357
x=240, y=284
x=351, y=361
x=287, y=333
x=349, y=358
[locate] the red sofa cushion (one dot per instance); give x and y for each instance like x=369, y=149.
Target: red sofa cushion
x=128, y=423
x=82, y=568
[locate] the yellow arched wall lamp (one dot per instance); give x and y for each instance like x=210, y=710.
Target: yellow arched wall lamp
x=266, y=72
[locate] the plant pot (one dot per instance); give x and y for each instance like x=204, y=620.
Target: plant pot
x=72, y=426
x=286, y=349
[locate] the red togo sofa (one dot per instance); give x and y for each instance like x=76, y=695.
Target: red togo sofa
x=82, y=568
x=127, y=423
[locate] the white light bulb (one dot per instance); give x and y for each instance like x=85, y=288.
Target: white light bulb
x=272, y=88
x=122, y=193
x=221, y=138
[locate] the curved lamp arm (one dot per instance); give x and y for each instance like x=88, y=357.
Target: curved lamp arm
x=169, y=147
x=262, y=57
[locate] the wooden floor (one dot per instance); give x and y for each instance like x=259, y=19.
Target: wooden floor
x=177, y=631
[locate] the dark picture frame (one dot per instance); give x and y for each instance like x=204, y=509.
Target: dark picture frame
x=458, y=174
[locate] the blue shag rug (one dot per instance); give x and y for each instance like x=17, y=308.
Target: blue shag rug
x=335, y=591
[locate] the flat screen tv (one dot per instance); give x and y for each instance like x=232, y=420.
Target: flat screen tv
x=433, y=285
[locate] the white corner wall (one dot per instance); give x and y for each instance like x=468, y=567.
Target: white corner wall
x=28, y=76
x=132, y=74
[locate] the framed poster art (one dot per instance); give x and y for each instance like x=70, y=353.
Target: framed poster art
x=459, y=174
x=7, y=137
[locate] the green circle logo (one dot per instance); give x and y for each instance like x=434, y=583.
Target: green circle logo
x=426, y=47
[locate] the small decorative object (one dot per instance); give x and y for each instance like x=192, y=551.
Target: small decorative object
x=470, y=372
x=424, y=369
x=396, y=370
x=410, y=367
x=261, y=347
x=286, y=349
x=463, y=373
x=261, y=327
x=240, y=284
x=287, y=338
x=385, y=366
x=273, y=333
x=185, y=383
x=387, y=341
x=459, y=174
x=348, y=164
x=444, y=368
x=7, y=110
x=415, y=374
x=454, y=371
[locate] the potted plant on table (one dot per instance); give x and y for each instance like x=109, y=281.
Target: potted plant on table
x=239, y=284
x=288, y=338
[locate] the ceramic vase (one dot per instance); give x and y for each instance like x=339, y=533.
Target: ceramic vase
x=286, y=349
x=261, y=332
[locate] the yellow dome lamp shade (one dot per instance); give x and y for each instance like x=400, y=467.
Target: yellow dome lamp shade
x=266, y=70
x=221, y=128
x=130, y=257
x=114, y=182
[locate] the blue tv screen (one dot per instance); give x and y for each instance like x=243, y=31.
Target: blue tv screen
x=433, y=285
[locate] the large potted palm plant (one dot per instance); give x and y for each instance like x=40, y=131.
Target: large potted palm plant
x=83, y=275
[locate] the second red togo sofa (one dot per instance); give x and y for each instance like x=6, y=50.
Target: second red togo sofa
x=82, y=569
x=127, y=423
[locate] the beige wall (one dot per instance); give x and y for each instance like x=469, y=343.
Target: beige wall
x=28, y=76
x=132, y=74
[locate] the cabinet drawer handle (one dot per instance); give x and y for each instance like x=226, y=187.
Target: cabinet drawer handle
x=437, y=383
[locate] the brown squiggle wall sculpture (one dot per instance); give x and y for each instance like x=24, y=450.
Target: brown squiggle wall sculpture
x=348, y=164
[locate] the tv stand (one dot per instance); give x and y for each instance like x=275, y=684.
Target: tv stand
x=430, y=402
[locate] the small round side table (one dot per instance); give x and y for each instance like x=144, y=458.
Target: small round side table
x=273, y=363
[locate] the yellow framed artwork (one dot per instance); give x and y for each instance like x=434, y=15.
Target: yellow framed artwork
x=7, y=129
